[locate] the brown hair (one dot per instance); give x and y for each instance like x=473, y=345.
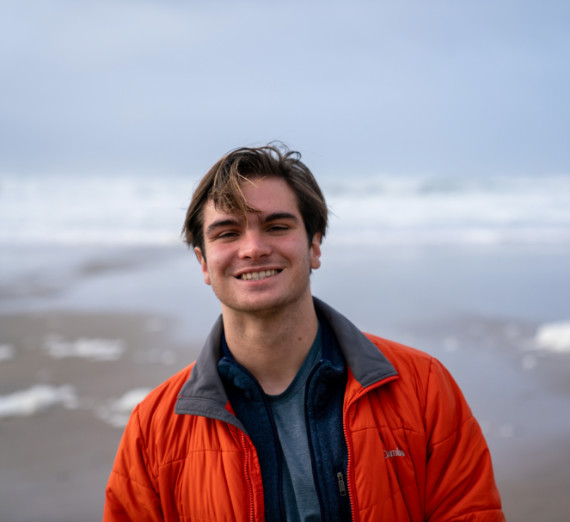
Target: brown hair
x=222, y=185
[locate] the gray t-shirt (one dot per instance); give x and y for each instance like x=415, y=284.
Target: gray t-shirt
x=299, y=493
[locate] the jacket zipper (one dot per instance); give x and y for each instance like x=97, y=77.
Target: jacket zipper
x=247, y=476
x=362, y=393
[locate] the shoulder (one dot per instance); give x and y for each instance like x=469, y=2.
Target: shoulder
x=151, y=424
x=425, y=377
x=159, y=403
x=405, y=359
x=422, y=374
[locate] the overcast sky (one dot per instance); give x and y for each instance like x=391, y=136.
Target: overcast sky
x=359, y=87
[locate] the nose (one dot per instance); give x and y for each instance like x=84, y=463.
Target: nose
x=253, y=245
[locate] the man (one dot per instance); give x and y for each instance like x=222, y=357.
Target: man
x=290, y=412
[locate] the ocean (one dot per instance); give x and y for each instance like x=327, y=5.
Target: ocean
x=380, y=210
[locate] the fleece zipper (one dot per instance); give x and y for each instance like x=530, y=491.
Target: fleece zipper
x=310, y=439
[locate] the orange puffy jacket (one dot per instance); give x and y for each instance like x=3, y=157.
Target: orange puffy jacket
x=416, y=453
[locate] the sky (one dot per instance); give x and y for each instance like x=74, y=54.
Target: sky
x=444, y=87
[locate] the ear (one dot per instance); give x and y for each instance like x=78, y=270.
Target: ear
x=203, y=264
x=315, y=251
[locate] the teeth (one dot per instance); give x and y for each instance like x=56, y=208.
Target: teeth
x=254, y=276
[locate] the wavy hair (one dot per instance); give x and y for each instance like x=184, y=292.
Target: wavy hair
x=223, y=183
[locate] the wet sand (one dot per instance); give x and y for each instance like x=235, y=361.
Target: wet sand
x=54, y=464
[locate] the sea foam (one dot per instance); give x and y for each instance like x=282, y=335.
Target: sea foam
x=94, y=349
x=36, y=399
x=116, y=412
x=554, y=337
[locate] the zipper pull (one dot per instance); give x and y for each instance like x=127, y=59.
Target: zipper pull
x=341, y=485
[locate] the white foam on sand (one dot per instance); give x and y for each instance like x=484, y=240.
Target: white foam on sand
x=116, y=412
x=95, y=349
x=554, y=337
x=36, y=399
x=7, y=352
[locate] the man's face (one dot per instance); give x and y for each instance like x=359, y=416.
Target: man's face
x=264, y=264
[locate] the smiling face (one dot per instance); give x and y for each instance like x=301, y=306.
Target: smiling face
x=261, y=264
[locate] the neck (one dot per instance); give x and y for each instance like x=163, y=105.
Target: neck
x=274, y=345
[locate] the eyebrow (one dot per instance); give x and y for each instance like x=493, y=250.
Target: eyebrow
x=276, y=216
x=229, y=222
x=221, y=223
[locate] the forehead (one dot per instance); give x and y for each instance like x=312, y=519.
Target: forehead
x=264, y=195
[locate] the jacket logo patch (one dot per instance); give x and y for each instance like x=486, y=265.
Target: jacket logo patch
x=388, y=454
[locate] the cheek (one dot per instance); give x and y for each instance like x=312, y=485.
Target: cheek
x=218, y=264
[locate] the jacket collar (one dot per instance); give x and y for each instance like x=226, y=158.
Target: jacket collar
x=366, y=362
x=203, y=393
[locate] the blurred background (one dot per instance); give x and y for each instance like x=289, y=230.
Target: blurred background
x=438, y=132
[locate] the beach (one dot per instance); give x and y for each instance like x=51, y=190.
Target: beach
x=86, y=331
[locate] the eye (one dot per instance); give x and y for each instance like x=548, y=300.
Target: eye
x=278, y=227
x=226, y=234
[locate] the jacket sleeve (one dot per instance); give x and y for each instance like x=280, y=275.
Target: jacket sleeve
x=460, y=485
x=131, y=492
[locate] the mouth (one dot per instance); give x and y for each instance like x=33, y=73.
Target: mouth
x=257, y=276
